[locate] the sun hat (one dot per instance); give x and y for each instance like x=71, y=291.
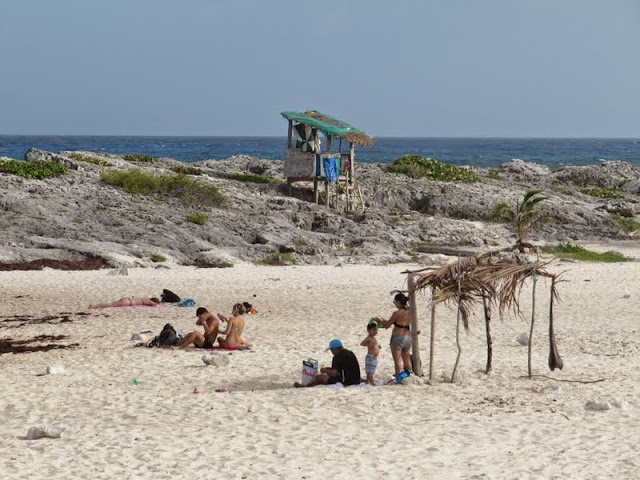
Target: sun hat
x=335, y=343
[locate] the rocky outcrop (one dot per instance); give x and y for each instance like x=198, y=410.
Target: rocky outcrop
x=77, y=215
x=34, y=155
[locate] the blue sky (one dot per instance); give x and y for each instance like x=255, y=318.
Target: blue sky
x=497, y=68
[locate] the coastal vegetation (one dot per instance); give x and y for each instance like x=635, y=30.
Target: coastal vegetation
x=33, y=170
x=89, y=159
x=186, y=170
x=188, y=190
x=577, y=252
x=276, y=259
x=197, y=218
x=494, y=174
x=157, y=258
x=415, y=166
x=628, y=225
x=140, y=158
x=603, y=193
x=250, y=178
x=522, y=216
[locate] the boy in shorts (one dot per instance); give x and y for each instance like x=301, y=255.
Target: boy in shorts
x=373, y=349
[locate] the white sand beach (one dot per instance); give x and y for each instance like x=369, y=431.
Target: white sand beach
x=499, y=426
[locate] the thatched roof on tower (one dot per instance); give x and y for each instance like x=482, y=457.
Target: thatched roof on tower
x=330, y=126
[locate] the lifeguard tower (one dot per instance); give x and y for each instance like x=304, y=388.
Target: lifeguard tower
x=304, y=160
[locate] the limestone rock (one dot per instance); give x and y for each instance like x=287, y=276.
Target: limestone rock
x=216, y=359
x=53, y=430
x=55, y=369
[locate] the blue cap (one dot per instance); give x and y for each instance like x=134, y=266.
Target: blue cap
x=335, y=343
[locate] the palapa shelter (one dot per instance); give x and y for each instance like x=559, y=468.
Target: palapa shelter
x=480, y=280
x=305, y=161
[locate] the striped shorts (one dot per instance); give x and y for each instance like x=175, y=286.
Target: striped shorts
x=370, y=364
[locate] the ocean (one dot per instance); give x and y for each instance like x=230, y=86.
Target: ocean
x=481, y=152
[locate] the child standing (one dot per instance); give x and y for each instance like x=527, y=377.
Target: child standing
x=373, y=349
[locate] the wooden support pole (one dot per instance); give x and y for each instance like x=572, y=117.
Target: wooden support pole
x=326, y=194
x=352, y=159
x=487, y=324
x=416, y=362
x=459, y=317
x=433, y=331
x=533, y=319
x=349, y=175
x=315, y=188
x=290, y=135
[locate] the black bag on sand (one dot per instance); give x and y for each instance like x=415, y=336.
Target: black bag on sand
x=169, y=297
x=167, y=337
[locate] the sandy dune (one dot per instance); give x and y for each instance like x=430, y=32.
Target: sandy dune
x=502, y=426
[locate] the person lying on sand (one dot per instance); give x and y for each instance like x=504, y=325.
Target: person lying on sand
x=211, y=328
x=129, y=302
x=235, y=326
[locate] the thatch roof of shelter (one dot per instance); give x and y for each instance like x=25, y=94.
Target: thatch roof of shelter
x=330, y=126
x=470, y=279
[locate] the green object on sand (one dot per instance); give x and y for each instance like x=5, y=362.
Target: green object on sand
x=135, y=381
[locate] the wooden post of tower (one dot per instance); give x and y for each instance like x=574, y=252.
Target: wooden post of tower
x=290, y=145
x=326, y=184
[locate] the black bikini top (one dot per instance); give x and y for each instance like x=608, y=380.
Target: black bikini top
x=401, y=326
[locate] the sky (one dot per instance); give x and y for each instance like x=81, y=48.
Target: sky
x=423, y=68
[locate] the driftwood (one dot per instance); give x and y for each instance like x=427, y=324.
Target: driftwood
x=453, y=252
x=569, y=380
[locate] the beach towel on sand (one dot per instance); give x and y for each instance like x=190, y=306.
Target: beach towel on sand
x=221, y=349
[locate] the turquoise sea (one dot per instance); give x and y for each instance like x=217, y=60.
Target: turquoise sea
x=484, y=152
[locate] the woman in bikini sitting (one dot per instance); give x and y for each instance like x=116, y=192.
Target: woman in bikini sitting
x=232, y=338
x=129, y=302
x=400, y=335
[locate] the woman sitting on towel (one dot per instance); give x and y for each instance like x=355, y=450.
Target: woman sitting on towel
x=235, y=327
x=129, y=302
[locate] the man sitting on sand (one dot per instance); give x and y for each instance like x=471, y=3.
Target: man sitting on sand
x=344, y=369
x=211, y=327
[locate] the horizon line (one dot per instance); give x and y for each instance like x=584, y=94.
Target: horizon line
x=285, y=136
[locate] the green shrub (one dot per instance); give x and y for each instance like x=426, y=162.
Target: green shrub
x=158, y=258
x=179, y=186
x=603, y=192
x=37, y=170
x=628, y=225
x=197, y=218
x=581, y=182
x=277, y=259
x=495, y=174
x=83, y=158
x=416, y=166
x=186, y=170
x=576, y=252
x=250, y=178
x=139, y=158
